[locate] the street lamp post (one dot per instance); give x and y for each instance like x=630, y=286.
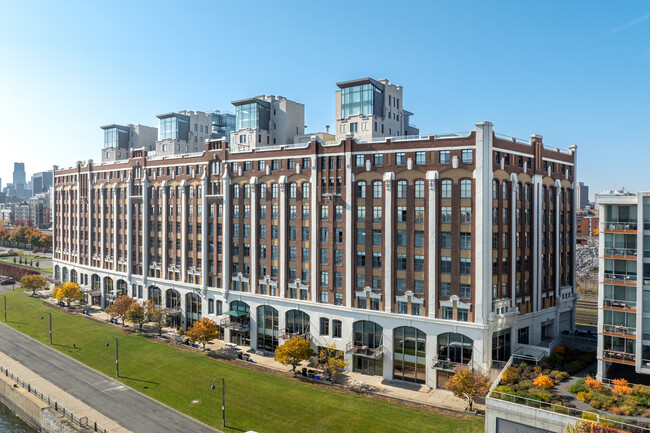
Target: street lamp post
x=117, y=357
x=50, y=325
x=223, y=398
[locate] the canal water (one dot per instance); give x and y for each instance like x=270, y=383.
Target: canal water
x=10, y=423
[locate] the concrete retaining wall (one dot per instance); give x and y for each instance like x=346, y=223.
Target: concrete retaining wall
x=497, y=411
x=32, y=410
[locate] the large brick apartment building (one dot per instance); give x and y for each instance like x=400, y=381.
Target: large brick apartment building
x=415, y=254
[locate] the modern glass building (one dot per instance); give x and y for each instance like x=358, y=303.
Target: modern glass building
x=624, y=284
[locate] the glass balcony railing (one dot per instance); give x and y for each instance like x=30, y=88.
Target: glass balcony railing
x=619, y=329
x=620, y=277
x=621, y=225
x=616, y=355
x=619, y=303
x=625, y=252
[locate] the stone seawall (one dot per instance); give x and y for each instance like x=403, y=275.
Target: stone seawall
x=32, y=410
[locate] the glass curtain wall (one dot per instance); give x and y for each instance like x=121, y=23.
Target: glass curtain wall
x=297, y=322
x=358, y=100
x=455, y=348
x=192, y=308
x=248, y=116
x=409, y=345
x=367, y=335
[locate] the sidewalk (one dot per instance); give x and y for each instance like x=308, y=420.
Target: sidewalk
x=59, y=395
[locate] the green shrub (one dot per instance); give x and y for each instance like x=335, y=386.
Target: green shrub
x=601, y=401
x=525, y=385
x=541, y=394
x=641, y=390
x=590, y=416
x=577, y=387
x=559, y=376
x=511, y=375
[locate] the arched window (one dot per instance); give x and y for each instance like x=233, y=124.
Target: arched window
x=455, y=348
x=376, y=189
x=445, y=189
x=267, y=328
x=361, y=189
x=401, y=189
x=465, y=188
x=419, y=189
x=296, y=323
x=235, y=191
x=293, y=190
x=409, y=354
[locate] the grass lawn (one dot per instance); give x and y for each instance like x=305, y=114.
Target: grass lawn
x=254, y=400
x=10, y=261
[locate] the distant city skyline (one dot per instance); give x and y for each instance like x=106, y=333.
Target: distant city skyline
x=573, y=74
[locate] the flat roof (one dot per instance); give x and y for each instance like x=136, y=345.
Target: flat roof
x=251, y=101
x=114, y=125
x=359, y=82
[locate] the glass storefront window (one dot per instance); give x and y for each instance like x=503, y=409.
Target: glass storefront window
x=409, y=362
x=455, y=348
x=267, y=328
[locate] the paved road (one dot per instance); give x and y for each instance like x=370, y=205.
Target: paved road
x=116, y=401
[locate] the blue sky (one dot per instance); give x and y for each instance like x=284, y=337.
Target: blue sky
x=574, y=72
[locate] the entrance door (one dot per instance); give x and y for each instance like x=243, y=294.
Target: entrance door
x=240, y=338
x=370, y=366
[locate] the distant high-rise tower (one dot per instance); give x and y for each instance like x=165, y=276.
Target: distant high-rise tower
x=582, y=195
x=19, y=173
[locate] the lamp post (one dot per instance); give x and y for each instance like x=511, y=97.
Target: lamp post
x=223, y=398
x=50, y=325
x=117, y=357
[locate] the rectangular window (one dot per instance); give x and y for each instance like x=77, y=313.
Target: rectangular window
x=324, y=278
x=465, y=241
x=401, y=238
x=445, y=240
x=401, y=262
x=361, y=236
x=418, y=264
x=447, y=313
x=361, y=213
x=445, y=265
x=420, y=158
x=401, y=285
x=465, y=291
x=445, y=215
x=376, y=237
x=323, y=234
x=323, y=256
x=465, y=215
x=465, y=266
x=376, y=260
x=359, y=161
x=337, y=326
x=378, y=158
x=444, y=157
x=401, y=214
x=467, y=156
x=324, y=212
x=376, y=213
x=400, y=158
x=361, y=258
x=445, y=289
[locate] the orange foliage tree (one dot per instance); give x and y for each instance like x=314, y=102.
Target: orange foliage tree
x=621, y=386
x=293, y=352
x=469, y=385
x=68, y=292
x=121, y=307
x=203, y=331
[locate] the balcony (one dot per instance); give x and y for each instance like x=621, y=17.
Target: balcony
x=365, y=351
x=619, y=304
x=626, y=279
x=614, y=253
x=287, y=334
x=619, y=357
x=447, y=364
x=621, y=226
x=619, y=329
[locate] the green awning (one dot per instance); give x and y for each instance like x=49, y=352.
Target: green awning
x=236, y=313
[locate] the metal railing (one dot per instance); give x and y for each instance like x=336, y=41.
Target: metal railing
x=626, y=252
x=624, y=225
x=573, y=412
x=619, y=329
x=616, y=355
x=82, y=421
x=619, y=303
x=619, y=277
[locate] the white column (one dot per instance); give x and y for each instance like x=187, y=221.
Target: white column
x=62, y=207
x=204, y=231
x=512, y=230
x=102, y=229
x=556, y=241
x=70, y=200
x=574, y=207
x=89, y=219
x=145, y=228
x=226, y=224
x=165, y=230
x=115, y=228
x=483, y=226
x=54, y=215
x=314, y=236
x=432, y=177
x=253, y=239
x=183, y=231
x=387, y=342
x=129, y=229
x=282, y=236
x=79, y=206
x=388, y=241
x=350, y=217
x=536, y=279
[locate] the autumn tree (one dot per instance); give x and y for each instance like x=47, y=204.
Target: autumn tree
x=203, y=331
x=331, y=360
x=542, y=381
x=68, y=292
x=33, y=282
x=121, y=306
x=468, y=385
x=159, y=319
x=293, y=352
x=136, y=314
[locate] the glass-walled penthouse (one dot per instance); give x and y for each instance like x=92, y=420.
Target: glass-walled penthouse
x=116, y=136
x=174, y=126
x=362, y=99
x=252, y=114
